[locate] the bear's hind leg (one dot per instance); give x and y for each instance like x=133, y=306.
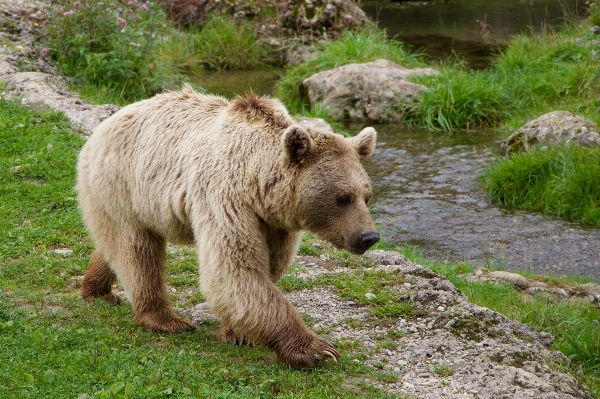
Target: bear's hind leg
x=141, y=268
x=98, y=281
x=226, y=334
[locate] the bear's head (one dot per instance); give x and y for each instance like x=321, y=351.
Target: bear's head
x=332, y=187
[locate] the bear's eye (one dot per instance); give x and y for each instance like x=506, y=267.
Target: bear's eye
x=344, y=200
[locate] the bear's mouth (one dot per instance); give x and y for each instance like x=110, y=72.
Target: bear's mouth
x=356, y=251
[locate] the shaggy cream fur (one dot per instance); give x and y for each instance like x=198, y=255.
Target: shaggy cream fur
x=241, y=180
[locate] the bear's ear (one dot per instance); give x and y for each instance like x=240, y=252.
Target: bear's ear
x=296, y=142
x=364, y=142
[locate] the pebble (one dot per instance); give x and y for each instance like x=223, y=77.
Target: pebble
x=387, y=352
x=424, y=375
x=370, y=295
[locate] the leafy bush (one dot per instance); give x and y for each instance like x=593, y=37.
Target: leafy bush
x=110, y=44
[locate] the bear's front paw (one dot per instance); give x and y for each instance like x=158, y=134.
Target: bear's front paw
x=308, y=354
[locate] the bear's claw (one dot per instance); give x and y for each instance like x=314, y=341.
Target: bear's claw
x=310, y=355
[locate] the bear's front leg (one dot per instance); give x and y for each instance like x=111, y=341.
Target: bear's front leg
x=236, y=281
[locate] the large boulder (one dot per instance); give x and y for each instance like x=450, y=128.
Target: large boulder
x=552, y=128
x=375, y=91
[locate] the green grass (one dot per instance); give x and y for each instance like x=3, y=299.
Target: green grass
x=563, y=180
x=365, y=45
x=224, y=43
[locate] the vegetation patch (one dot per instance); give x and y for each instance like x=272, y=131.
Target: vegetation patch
x=561, y=180
x=112, y=46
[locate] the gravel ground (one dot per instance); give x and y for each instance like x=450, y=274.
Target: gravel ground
x=456, y=350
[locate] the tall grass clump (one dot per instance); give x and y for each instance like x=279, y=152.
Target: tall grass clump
x=563, y=180
x=111, y=46
x=360, y=46
x=533, y=75
x=459, y=98
x=223, y=43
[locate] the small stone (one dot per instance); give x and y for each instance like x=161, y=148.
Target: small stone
x=595, y=30
x=387, y=352
x=407, y=285
x=424, y=375
x=396, y=369
x=63, y=251
x=350, y=303
x=516, y=279
x=402, y=362
x=441, y=308
x=370, y=295
x=473, y=391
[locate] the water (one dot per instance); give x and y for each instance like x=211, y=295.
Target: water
x=232, y=83
x=473, y=29
x=427, y=194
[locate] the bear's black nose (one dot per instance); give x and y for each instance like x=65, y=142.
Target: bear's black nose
x=368, y=239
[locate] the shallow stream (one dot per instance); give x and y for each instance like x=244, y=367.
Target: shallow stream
x=427, y=194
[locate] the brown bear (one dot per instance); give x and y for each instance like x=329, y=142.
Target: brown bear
x=242, y=180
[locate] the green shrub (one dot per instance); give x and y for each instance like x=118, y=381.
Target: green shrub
x=365, y=45
x=225, y=44
x=562, y=180
x=110, y=45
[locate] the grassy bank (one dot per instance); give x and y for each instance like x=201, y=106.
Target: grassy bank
x=56, y=346
x=554, y=70
x=564, y=181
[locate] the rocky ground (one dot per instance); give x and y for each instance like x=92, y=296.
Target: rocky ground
x=453, y=350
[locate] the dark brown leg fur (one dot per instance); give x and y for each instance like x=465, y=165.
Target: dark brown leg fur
x=148, y=288
x=98, y=281
x=226, y=334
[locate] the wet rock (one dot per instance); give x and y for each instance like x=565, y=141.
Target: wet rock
x=552, y=128
x=375, y=91
x=515, y=279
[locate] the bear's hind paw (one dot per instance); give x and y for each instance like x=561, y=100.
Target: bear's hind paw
x=226, y=334
x=169, y=324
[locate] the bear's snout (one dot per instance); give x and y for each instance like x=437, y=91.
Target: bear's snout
x=363, y=242
x=367, y=240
